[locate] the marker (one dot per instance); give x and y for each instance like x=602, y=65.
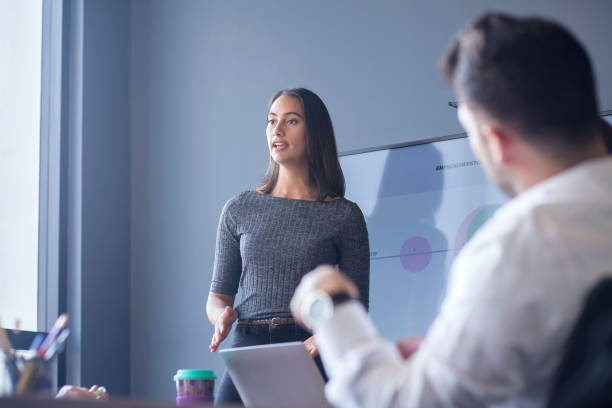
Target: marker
x=37, y=342
x=60, y=324
x=57, y=345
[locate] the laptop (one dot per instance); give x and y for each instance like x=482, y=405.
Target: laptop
x=276, y=375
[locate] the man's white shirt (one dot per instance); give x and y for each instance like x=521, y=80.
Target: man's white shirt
x=514, y=294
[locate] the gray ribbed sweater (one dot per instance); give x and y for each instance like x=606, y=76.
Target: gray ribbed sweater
x=266, y=244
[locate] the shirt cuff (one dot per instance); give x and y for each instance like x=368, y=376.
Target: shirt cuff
x=348, y=327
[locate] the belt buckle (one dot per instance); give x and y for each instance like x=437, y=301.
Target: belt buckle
x=275, y=321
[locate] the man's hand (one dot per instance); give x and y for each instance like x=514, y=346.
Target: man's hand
x=311, y=346
x=325, y=278
x=79, y=393
x=408, y=346
x=223, y=325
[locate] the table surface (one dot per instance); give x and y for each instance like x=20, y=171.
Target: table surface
x=112, y=403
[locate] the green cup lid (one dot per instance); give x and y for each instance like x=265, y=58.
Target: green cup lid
x=194, y=375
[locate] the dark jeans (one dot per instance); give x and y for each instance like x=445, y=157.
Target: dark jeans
x=251, y=335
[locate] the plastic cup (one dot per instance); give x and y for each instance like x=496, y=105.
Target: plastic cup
x=194, y=386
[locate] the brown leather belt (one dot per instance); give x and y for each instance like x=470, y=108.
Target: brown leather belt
x=275, y=321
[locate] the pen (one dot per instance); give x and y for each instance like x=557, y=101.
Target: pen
x=6, y=344
x=10, y=358
x=27, y=377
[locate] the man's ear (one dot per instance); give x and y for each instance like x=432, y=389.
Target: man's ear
x=500, y=144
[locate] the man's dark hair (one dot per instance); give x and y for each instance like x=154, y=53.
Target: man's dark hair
x=323, y=165
x=529, y=73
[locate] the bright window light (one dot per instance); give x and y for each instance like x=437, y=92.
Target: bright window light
x=20, y=85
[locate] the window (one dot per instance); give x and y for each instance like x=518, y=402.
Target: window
x=20, y=96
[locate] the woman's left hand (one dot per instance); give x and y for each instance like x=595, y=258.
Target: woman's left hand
x=408, y=346
x=311, y=346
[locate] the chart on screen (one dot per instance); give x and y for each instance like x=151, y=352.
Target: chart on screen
x=422, y=203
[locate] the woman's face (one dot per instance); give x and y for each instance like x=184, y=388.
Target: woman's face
x=286, y=131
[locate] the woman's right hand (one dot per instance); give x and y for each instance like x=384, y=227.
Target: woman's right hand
x=223, y=325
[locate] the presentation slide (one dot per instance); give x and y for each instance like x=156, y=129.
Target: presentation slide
x=422, y=204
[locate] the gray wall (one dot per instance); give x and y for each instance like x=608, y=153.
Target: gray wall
x=106, y=195
x=201, y=76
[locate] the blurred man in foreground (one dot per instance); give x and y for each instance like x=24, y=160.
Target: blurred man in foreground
x=527, y=101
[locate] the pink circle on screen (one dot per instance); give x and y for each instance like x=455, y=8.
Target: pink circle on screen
x=415, y=254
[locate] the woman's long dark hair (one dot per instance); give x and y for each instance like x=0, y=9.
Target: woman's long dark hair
x=323, y=165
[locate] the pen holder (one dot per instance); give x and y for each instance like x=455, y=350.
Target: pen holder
x=34, y=378
x=194, y=387
x=20, y=376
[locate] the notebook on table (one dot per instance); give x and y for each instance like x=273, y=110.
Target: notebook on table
x=275, y=375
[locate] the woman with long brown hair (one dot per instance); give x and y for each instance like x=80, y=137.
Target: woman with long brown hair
x=270, y=237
